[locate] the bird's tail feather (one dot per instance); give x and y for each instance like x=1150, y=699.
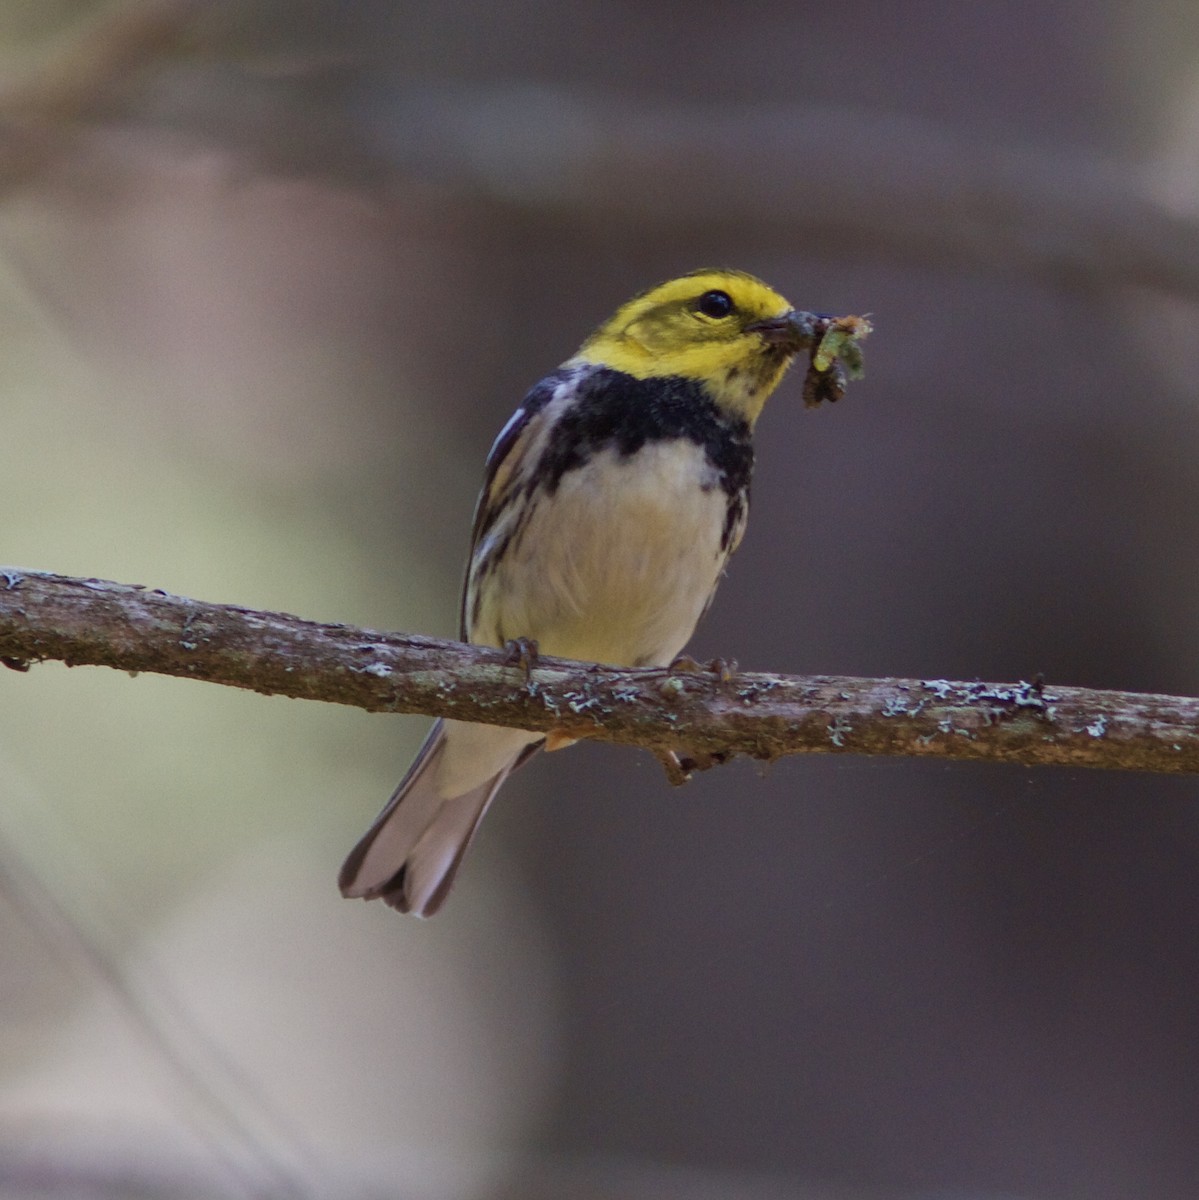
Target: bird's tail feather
x=410, y=855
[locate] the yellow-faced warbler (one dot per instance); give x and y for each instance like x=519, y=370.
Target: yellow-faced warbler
x=612, y=501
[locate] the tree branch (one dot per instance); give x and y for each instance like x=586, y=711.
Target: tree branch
x=702, y=717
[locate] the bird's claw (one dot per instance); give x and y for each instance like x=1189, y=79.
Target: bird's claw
x=522, y=652
x=675, y=766
x=723, y=668
x=680, y=766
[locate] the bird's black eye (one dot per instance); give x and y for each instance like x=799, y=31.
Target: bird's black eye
x=716, y=304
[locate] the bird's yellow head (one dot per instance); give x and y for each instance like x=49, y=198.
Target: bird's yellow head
x=724, y=329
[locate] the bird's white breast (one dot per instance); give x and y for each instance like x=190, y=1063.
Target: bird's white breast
x=618, y=564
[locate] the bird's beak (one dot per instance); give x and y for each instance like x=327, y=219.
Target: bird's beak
x=791, y=332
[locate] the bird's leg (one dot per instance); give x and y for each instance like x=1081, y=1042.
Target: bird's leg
x=681, y=765
x=723, y=668
x=676, y=766
x=522, y=652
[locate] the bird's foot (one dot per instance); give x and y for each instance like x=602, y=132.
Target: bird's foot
x=677, y=773
x=522, y=652
x=723, y=668
x=680, y=766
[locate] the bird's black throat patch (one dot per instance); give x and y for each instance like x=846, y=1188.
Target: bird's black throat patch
x=616, y=410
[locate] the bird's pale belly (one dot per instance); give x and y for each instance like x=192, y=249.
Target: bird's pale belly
x=619, y=564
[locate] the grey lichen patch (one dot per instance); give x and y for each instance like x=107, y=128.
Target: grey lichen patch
x=187, y=638
x=580, y=702
x=946, y=725
x=897, y=706
x=1000, y=700
x=838, y=730
x=752, y=691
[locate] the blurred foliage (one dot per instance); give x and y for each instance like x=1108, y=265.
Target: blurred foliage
x=255, y=337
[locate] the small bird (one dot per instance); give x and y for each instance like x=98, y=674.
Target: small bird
x=611, y=503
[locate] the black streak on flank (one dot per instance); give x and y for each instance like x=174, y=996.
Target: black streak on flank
x=489, y=506
x=617, y=410
x=734, y=520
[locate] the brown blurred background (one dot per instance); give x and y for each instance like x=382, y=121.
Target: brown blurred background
x=272, y=276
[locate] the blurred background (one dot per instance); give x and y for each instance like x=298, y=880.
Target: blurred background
x=272, y=275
